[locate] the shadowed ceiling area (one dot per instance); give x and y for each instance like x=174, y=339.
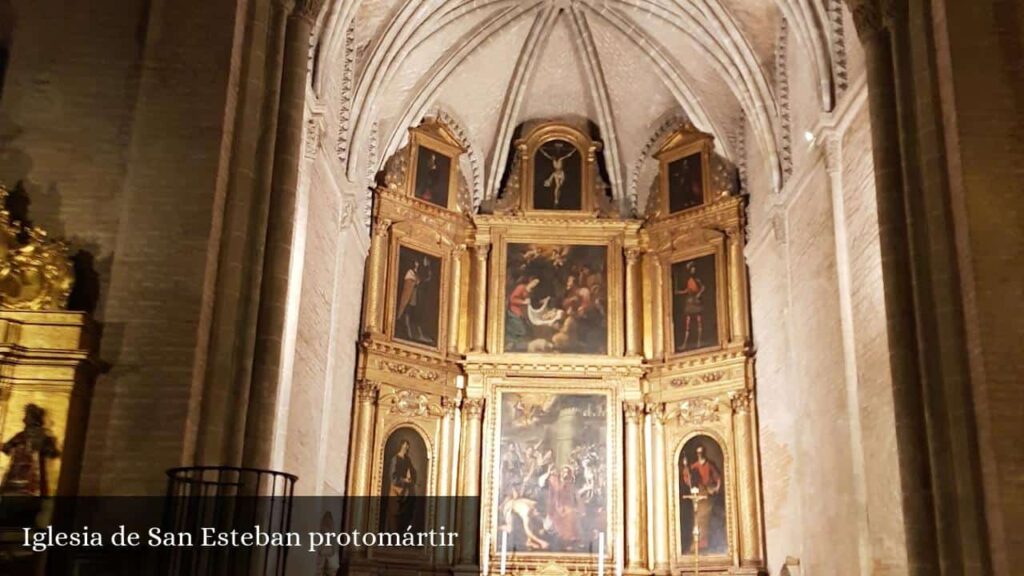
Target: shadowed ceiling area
x=634, y=68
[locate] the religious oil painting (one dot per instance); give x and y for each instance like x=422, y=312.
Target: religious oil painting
x=694, y=304
x=403, y=482
x=557, y=176
x=685, y=183
x=418, y=297
x=702, y=479
x=552, y=491
x=556, y=299
x=433, y=172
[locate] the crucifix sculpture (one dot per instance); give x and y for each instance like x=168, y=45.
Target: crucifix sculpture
x=695, y=497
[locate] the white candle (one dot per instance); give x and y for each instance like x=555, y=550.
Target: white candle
x=504, y=551
x=486, y=556
x=600, y=554
x=619, y=552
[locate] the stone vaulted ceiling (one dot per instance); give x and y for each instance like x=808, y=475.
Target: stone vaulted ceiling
x=631, y=67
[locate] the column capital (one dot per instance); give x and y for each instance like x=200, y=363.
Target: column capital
x=867, y=18
x=633, y=411
x=633, y=254
x=741, y=400
x=657, y=411
x=473, y=408
x=482, y=251
x=833, y=149
x=381, y=226
x=366, y=391
x=307, y=10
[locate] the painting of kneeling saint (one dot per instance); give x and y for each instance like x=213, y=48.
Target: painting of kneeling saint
x=556, y=299
x=418, y=297
x=433, y=173
x=700, y=470
x=685, y=183
x=405, y=473
x=694, y=304
x=552, y=487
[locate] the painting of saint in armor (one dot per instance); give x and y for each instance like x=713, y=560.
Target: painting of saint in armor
x=685, y=183
x=701, y=475
x=433, y=173
x=556, y=299
x=557, y=177
x=694, y=304
x=403, y=482
x=418, y=297
x=553, y=483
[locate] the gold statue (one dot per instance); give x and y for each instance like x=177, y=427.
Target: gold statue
x=35, y=271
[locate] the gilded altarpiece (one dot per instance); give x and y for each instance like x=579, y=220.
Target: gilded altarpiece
x=587, y=375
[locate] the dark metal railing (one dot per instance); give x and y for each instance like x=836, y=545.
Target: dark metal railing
x=218, y=504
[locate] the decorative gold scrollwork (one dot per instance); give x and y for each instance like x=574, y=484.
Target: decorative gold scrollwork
x=35, y=271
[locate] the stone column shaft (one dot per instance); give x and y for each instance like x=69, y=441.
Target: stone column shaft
x=273, y=305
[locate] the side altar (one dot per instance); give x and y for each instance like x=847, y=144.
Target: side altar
x=586, y=374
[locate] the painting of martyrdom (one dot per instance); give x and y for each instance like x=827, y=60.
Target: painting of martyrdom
x=556, y=299
x=418, y=297
x=433, y=171
x=552, y=486
x=557, y=177
x=694, y=304
x=685, y=183
x=403, y=482
x=700, y=467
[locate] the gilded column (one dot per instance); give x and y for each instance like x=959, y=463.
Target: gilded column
x=361, y=458
x=746, y=478
x=455, y=301
x=633, y=326
x=446, y=452
x=480, y=305
x=737, y=288
x=469, y=480
x=658, y=320
x=635, y=513
x=375, y=275
x=658, y=484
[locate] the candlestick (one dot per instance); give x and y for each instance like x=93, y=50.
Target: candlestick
x=600, y=554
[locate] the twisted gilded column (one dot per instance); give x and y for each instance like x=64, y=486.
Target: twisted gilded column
x=746, y=478
x=469, y=480
x=375, y=276
x=480, y=302
x=635, y=513
x=634, y=342
x=283, y=206
x=455, y=302
x=360, y=461
x=659, y=492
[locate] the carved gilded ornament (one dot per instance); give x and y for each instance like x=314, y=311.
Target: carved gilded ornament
x=408, y=403
x=410, y=371
x=698, y=411
x=35, y=270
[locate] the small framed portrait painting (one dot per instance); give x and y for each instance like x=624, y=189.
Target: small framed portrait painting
x=694, y=285
x=433, y=176
x=417, y=297
x=686, y=182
